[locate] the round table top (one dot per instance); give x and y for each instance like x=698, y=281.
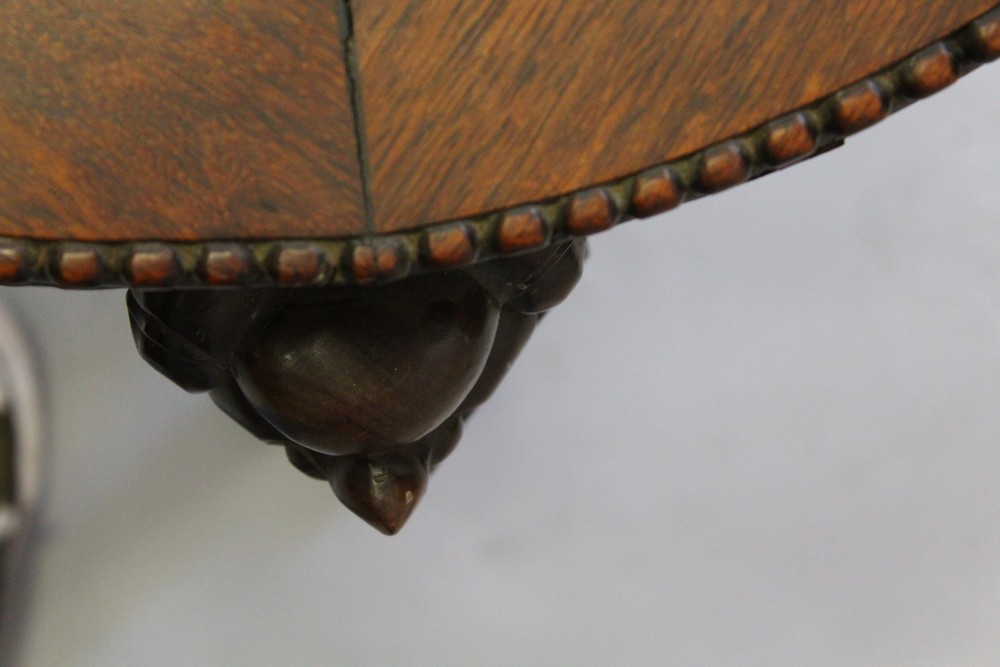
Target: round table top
x=307, y=142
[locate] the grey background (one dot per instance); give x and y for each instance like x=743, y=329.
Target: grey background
x=764, y=430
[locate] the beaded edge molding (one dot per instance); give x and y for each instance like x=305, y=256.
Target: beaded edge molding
x=298, y=263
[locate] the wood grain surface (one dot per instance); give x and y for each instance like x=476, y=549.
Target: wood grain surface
x=207, y=120
x=473, y=106
x=175, y=120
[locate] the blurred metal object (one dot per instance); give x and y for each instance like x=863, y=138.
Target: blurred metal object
x=20, y=454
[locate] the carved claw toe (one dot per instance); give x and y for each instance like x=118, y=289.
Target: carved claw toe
x=383, y=490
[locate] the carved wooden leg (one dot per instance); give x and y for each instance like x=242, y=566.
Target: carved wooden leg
x=365, y=387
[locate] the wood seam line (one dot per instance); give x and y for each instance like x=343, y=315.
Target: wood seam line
x=353, y=73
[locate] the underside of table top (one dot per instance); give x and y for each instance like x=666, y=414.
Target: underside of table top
x=218, y=142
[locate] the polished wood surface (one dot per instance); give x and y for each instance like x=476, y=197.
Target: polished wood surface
x=247, y=120
x=168, y=120
x=472, y=106
x=296, y=142
x=365, y=387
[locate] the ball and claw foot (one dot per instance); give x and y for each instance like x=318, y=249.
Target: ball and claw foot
x=365, y=387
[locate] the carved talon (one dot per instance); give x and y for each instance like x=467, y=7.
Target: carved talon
x=366, y=387
x=382, y=490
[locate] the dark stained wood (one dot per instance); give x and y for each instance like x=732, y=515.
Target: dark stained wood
x=229, y=122
x=369, y=374
x=473, y=106
x=176, y=120
x=365, y=387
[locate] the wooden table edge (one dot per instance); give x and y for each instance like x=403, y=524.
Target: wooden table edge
x=529, y=226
